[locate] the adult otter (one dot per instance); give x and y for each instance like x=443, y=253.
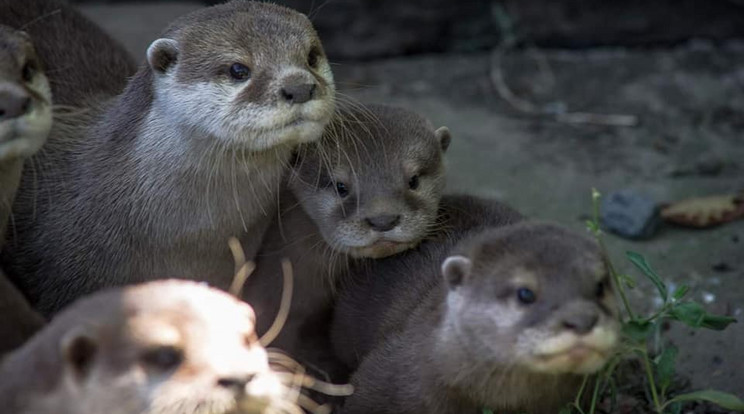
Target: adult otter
x=514, y=318
x=369, y=188
x=25, y=121
x=81, y=60
x=165, y=347
x=190, y=154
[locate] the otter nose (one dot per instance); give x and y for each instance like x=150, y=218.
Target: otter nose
x=13, y=104
x=299, y=93
x=235, y=382
x=383, y=223
x=581, y=323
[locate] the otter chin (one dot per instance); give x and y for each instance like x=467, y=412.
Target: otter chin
x=379, y=249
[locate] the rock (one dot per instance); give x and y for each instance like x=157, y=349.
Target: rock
x=629, y=214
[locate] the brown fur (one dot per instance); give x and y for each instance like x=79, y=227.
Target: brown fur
x=167, y=347
x=457, y=340
x=375, y=150
x=20, y=137
x=150, y=184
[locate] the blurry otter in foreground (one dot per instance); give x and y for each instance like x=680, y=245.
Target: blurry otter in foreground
x=165, y=347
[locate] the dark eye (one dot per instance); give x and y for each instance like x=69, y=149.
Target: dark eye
x=526, y=296
x=313, y=57
x=600, y=289
x=240, y=72
x=341, y=189
x=28, y=71
x=413, y=183
x=163, y=357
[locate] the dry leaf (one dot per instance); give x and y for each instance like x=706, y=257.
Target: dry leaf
x=705, y=212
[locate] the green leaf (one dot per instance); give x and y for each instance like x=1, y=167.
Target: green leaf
x=693, y=314
x=717, y=322
x=641, y=263
x=637, y=330
x=628, y=280
x=487, y=411
x=675, y=408
x=680, y=292
x=565, y=410
x=665, y=366
x=690, y=313
x=722, y=399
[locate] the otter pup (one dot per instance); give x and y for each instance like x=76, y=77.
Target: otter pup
x=25, y=121
x=82, y=61
x=165, y=347
x=190, y=154
x=369, y=188
x=509, y=319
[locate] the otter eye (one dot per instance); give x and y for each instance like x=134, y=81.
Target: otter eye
x=600, y=289
x=341, y=189
x=240, y=72
x=526, y=296
x=313, y=57
x=413, y=183
x=163, y=357
x=28, y=71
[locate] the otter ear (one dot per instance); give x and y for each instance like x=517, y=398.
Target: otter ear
x=444, y=137
x=456, y=269
x=162, y=54
x=79, y=349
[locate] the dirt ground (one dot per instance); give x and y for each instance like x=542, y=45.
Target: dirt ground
x=689, y=141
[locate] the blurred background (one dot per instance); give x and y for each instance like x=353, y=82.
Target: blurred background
x=643, y=100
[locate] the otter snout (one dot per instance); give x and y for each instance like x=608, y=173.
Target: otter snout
x=14, y=102
x=579, y=317
x=298, y=88
x=383, y=223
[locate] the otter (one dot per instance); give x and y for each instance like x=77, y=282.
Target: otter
x=82, y=61
x=507, y=318
x=25, y=121
x=164, y=347
x=369, y=188
x=190, y=154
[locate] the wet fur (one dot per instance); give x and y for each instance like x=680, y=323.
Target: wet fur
x=123, y=194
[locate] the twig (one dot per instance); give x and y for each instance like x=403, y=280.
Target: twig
x=499, y=83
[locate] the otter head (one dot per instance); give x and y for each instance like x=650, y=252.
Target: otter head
x=251, y=75
x=533, y=296
x=25, y=97
x=164, y=347
x=373, y=183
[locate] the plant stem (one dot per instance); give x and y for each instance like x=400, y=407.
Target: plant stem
x=651, y=382
x=615, y=277
x=593, y=406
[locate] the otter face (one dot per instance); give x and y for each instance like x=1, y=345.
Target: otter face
x=536, y=295
x=171, y=347
x=25, y=97
x=251, y=75
x=373, y=184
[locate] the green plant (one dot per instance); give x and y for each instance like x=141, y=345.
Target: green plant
x=638, y=331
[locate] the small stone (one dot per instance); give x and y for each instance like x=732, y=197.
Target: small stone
x=630, y=214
